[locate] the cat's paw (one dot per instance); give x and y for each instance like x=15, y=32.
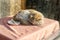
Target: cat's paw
x=12, y=22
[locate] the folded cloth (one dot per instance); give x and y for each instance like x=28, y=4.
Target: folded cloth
x=27, y=32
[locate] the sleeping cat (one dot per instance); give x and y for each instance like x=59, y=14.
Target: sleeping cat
x=27, y=17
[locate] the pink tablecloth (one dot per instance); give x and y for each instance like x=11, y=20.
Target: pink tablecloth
x=27, y=32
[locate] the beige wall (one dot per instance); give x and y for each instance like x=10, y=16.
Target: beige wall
x=15, y=6
x=9, y=7
x=4, y=8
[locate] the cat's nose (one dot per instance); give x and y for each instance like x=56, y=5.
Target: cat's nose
x=33, y=23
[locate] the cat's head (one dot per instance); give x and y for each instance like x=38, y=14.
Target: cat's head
x=36, y=17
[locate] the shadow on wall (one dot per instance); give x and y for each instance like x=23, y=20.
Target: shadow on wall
x=50, y=8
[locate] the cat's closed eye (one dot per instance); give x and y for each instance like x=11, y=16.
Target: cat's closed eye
x=38, y=20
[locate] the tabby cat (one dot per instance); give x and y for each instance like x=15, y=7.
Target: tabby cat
x=27, y=17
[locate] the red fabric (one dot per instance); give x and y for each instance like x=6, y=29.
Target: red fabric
x=28, y=32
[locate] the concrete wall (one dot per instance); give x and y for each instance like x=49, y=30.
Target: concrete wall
x=4, y=8
x=9, y=7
